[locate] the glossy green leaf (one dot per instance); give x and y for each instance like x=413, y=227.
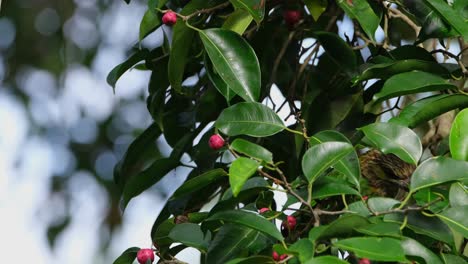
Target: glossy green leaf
x=248, y=219
x=374, y=248
x=459, y=136
x=414, y=248
x=325, y=260
x=456, y=218
x=359, y=208
x=450, y=15
x=410, y=83
x=253, y=259
x=238, y=21
x=150, y=22
x=458, y=195
x=452, y=259
x=340, y=52
x=303, y=248
x=190, y=235
x=128, y=256
x=428, y=108
x=332, y=189
x=256, y=8
x=252, y=119
x=438, y=170
x=160, y=235
x=234, y=60
x=322, y=156
x=147, y=178
x=120, y=69
x=349, y=165
x=395, y=139
x=240, y=171
x=363, y=13
x=252, y=150
x=389, y=69
x=342, y=227
x=199, y=182
x=231, y=241
x=252, y=183
x=381, y=204
x=316, y=7
x=217, y=82
x=381, y=229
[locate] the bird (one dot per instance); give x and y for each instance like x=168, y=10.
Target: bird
x=387, y=175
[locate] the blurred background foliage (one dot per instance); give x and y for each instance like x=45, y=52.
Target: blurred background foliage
x=63, y=129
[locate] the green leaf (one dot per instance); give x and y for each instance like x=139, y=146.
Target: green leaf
x=150, y=22
x=325, y=260
x=438, y=170
x=147, y=178
x=381, y=204
x=250, y=220
x=363, y=13
x=252, y=150
x=199, y=182
x=458, y=195
x=238, y=21
x=410, y=83
x=338, y=50
x=256, y=8
x=456, y=218
x=459, y=136
x=190, y=235
x=240, y=171
x=252, y=183
x=349, y=165
x=342, y=227
x=389, y=69
x=231, y=241
x=395, y=139
x=452, y=259
x=120, y=69
x=428, y=108
x=160, y=236
x=322, y=156
x=217, y=82
x=252, y=259
x=234, y=60
x=304, y=248
x=128, y=256
x=252, y=119
x=450, y=15
x=316, y=7
x=374, y=248
x=414, y=248
x=332, y=189
x=381, y=229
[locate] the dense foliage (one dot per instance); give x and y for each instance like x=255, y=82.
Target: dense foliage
x=368, y=167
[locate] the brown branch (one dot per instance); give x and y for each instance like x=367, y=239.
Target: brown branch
x=398, y=14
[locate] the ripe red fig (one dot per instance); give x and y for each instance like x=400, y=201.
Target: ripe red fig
x=169, y=18
x=365, y=197
x=364, y=261
x=263, y=210
x=291, y=17
x=275, y=256
x=144, y=255
x=216, y=142
x=284, y=256
x=291, y=221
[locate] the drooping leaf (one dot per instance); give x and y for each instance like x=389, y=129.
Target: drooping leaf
x=374, y=248
x=338, y=50
x=250, y=220
x=190, y=235
x=450, y=15
x=428, y=108
x=316, y=7
x=349, y=165
x=128, y=256
x=252, y=150
x=240, y=171
x=457, y=218
x=198, y=182
x=414, y=248
x=395, y=139
x=120, y=69
x=252, y=119
x=230, y=241
x=410, y=83
x=459, y=136
x=363, y=13
x=234, y=60
x=150, y=22
x=438, y=170
x=256, y=8
x=322, y=156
